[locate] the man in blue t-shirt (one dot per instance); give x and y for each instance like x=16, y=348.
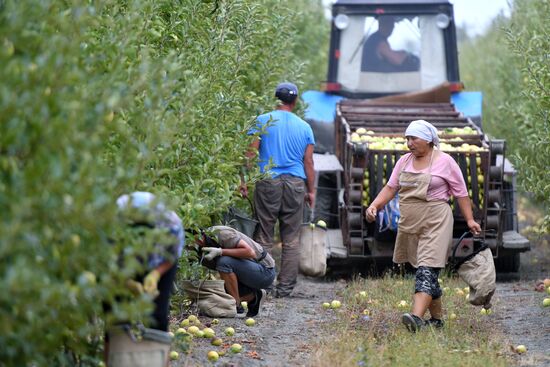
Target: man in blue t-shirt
x=285, y=146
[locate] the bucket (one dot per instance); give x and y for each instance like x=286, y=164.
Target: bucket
x=144, y=348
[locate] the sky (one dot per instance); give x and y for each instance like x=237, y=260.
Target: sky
x=476, y=15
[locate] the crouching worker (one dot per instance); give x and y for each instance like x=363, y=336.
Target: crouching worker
x=242, y=263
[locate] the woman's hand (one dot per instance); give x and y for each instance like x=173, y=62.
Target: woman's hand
x=475, y=228
x=370, y=212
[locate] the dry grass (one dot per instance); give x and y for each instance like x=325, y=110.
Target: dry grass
x=368, y=330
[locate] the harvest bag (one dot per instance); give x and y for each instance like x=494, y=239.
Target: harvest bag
x=387, y=221
x=478, y=271
x=146, y=348
x=313, y=258
x=210, y=297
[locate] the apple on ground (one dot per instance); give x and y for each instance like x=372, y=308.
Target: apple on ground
x=236, y=348
x=546, y=302
x=250, y=322
x=208, y=332
x=216, y=342
x=215, y=322
x=326, y=305
x=192, y=318
x=321, y=223
x=181, y=330
x=452, y=316
x=185, y=323
x=174, y=355
x=213, y=356
x=335, y=304
x=229, y=331
x=521, y=349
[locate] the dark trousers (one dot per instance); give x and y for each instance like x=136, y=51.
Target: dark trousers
x=281, y=198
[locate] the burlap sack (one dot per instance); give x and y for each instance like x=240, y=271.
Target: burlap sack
x=480, y=275
x=210, y=297
x=313, y=258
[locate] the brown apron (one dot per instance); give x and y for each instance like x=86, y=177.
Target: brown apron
x=425, y=231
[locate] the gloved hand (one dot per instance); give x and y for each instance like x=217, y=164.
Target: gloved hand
x=135, y=287
x=212, y=252
x=150, y=283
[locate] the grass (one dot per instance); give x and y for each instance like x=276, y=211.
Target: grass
x=381, y=340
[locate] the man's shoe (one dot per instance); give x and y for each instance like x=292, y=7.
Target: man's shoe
x=240, y=312
x=412, y=322
x=280, y=294
x=435, y=323
x=254, y=307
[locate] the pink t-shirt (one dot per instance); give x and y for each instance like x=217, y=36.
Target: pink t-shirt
x=446, y=179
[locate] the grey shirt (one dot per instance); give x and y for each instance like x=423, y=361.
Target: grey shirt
x=229, y=237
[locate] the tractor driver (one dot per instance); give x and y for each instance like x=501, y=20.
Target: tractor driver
x=378, y=56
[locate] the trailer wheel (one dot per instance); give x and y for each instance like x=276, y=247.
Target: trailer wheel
x=508, y=263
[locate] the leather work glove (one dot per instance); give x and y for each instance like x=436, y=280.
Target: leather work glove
x=135, y=287
x=150, y=283
x=212, y=252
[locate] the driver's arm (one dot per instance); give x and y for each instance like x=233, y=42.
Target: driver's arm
x=393, y=57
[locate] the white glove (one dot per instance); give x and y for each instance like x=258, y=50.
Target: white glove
x=212, y=252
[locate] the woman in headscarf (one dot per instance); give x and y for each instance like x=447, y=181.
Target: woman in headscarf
x=425, y=179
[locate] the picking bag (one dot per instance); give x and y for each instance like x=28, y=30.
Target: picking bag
x=478, y=271
x=313, y=258
x=210, y=296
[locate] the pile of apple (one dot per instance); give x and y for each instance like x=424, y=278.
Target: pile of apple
x=192, y=328
x=364, y=136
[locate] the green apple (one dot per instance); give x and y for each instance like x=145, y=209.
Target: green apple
x=312, y=225
x=199, y=334
x=366, y=312
x=244, y=304
x=440, y=281
x=213, y=356
x=192, y=318
x=326, y=305
x=548, y=290
x=363, y=294
x=216, y=342
x=521, y=349
x=321, y=223
x=546, y=302
x=236, y=348
x=182, y=330
x=250, y=322
x=361, y=131
x=208, y=332
x=193, y=330
x=174, y=355
x=546, y=282
x=215, y=322
x=229, y=331
x=185, y=323
x=335, y=304
x=452, y=316
x=402, y=304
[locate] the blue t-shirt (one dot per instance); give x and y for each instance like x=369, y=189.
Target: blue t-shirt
x=284, y=143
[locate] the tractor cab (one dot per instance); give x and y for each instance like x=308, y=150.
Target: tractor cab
x=383, y=47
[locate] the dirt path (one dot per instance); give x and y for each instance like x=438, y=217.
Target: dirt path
x=285, y=333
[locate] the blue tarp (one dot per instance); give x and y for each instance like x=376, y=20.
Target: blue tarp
x=469, y=103
x=320, y=106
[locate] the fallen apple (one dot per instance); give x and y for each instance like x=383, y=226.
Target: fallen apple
x=363, y=294
x=192, y=318
x=215, y=322
x=236, y=348
x=244, y=304
x=521, y=349
x=546, y=302
x=326, y=305
x=216, y=342
x=213, y=356
x=208, y=332
x=452, y=316
x=321, y=223
x=185, y=323
x=174, y=355
x=229, y=331
x=193, y=330
x=182, y=330
x=335, y=304
x=250, y=322
x=199, y=334
x=402, y=304
x=546, y=282
x=312, y=225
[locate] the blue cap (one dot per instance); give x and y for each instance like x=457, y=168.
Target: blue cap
x=287, y=88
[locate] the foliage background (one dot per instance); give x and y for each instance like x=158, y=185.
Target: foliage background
x=99, y=98
x=511, y=65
